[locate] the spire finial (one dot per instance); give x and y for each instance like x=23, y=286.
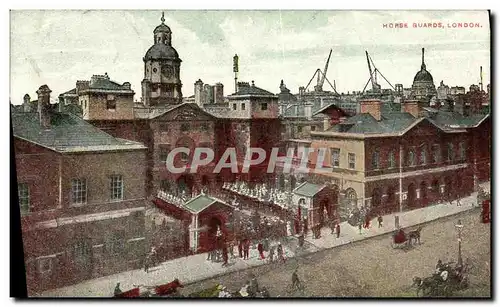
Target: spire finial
x=423, y=63
x=162, y=17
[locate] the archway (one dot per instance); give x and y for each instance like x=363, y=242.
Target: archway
x=391, y=199
x=412, y=196
x=423, y=194
x=281, y=182
x=352, y=198
x=435, y=189
x=293, y=182
x=448, y=182
x=185, y=184
x=376, y=199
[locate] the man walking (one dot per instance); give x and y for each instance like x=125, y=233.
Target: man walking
x=260, y=248
x=240, y=249
x=271, y=254
x=246, y=249
x=380, y=221
x=337, y=229
x=225, y=256
x=280, y=253
x=360, y=228
x=295, y=280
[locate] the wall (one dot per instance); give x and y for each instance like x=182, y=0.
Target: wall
x=97, y=109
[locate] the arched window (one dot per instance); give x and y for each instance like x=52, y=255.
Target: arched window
x=392, y=159
x=351, y=197
x=376, y=160
x=411, y=157
x=423, y=156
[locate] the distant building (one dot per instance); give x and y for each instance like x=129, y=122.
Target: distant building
x=443, y=91
x=208, y=94
x=423, y=87
x=82, y=198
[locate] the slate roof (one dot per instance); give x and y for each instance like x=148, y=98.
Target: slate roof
x=67, y=133
x=70, y=92
x=106, y=84
x=201, y=202
x=308, y=189
x=244, y=89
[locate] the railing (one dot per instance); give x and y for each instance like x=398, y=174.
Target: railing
x=261, y=193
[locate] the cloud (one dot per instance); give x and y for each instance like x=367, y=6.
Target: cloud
x=60, y=47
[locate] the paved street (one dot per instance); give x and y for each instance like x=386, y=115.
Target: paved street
x=372, y=267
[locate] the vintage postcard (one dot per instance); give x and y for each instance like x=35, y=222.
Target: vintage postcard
x=255, y=154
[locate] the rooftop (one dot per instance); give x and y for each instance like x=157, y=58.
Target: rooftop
x=67, y=133
x=308, y=189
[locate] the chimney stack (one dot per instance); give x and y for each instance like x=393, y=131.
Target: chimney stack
x=26, y=103
x=44, y=106
x=411, y=106
x=198, y=89
x=372, y=107
x=218, y=93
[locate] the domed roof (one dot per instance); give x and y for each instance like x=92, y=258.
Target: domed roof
x=423, y=75
x=162, y=28
x=160, y=51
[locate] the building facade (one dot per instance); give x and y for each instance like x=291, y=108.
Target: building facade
x=82, y=197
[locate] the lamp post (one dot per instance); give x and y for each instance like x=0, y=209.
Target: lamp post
x=459, y=228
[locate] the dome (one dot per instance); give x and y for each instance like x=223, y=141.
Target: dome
x=161, y=51
x=423, y=75
x=162, y=28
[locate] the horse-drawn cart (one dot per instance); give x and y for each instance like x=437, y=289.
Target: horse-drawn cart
x=400, y=239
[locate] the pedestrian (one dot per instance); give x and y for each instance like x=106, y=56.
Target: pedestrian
x=337, y=229
x=360, y=228
x=231, y=249
x=367, y=221
x=260, y=248
x=118, y=291
x=318, y=231
x=224, y=256
x=246, y=249
x=305, y=227
x=146, y=263
x=380, y=221
x=240, y=249
x=295, y=280
x=281, y=257
x=332, y=226
x=301, y=240
x=271, y=254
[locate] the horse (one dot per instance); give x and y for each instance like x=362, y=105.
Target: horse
x=415, y=235
x=426, y=285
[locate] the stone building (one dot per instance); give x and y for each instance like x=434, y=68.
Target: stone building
x=162, y=82
x=423, y=87
x=393, y=161
x=82, y=197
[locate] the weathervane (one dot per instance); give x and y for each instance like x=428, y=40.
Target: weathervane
x=162, y=17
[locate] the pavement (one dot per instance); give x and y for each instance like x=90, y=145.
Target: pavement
x=196, y=268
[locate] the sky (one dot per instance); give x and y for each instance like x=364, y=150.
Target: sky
x=59, y=47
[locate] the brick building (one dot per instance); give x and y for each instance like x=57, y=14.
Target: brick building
x=392, y=161
x=82, y=197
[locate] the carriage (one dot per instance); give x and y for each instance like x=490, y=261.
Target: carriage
x=167, y=290
x=400, y=239
x=447, y=279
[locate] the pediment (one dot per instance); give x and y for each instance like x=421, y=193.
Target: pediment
x=185, y=112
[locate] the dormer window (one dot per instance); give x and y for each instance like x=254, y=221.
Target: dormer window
x=263, y=106
x=243, y=107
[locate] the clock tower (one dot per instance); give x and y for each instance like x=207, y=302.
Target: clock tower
x=161, y=85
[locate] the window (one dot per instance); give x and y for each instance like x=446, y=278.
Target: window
x=313, y=128
x=451, y=152
x=82, y=250
x=116, y=187
x=461, y=149
x=263, y=106
x=45, y=265
x=164, y=150
x=163, y=127
x=111, y=103
x=115, y=244
x=437, y=153
x=234, y=106
x=392, y=159
x=79, y=191
x=352, y=160
x=184, y=127
x=299, y=129
x=243, y=107
x=204, y=127
x=375, y=160
x=24, y=198
x=411, y=157
x=423, y=156
x=335, y=157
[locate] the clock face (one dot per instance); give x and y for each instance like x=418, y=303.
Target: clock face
x=167, y=71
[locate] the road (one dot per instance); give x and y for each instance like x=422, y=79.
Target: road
x=372, y=268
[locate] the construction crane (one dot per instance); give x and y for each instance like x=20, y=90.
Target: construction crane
x=321, y=80
x=321, y=77
x=373, y=75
